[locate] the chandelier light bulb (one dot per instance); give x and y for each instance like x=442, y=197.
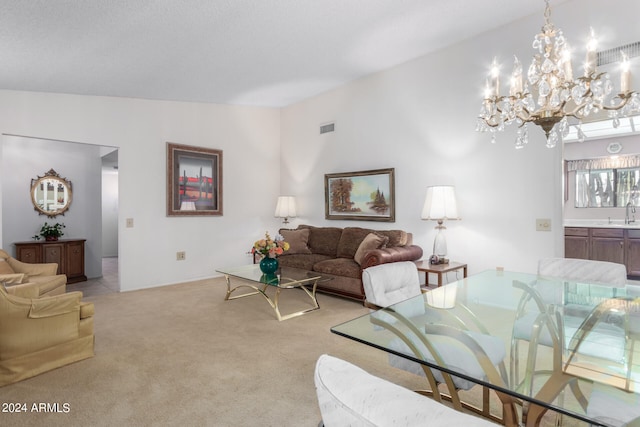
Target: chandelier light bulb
x=625, y=78
x=592, y=55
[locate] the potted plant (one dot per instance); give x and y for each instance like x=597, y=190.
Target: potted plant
x=51, y=232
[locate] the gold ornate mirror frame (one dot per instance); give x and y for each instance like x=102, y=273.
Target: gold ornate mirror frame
x=51, y=195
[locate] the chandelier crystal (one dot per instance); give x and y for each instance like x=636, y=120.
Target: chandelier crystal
x=549, y=94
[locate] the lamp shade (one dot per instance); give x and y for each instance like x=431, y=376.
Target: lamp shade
x=440, y=203
x=286, y=207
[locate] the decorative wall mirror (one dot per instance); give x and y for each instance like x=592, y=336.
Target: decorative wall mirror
x=50, y=194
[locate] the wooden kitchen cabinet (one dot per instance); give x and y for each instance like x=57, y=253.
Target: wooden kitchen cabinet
x=633, y=253
x=619, y=245
x=576, y=242
x=607, y=244
x=67, y=253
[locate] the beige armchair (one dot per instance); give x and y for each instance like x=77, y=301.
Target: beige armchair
x=41, y=334
x=43, y=276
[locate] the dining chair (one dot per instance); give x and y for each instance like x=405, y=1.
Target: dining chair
x=617, y=403
x=350, y=396
x=389, y=284
x=539, y=323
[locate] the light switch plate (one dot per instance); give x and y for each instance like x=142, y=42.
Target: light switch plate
x=543, y=224
x=129, y=222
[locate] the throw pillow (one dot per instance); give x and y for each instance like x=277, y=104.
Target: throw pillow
x=5, y=268
x=298, y=241
x=371, y=241
x=14, y=279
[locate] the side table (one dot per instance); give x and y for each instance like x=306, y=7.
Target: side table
x=440, y=269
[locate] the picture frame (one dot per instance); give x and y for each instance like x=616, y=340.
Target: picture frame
x=194, y=180
x=364, y=196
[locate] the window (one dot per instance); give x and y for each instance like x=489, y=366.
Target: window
x=615, y=187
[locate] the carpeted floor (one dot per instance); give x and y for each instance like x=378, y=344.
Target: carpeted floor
x=181, y=355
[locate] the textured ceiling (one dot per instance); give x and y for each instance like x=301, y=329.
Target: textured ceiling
x=250, y=52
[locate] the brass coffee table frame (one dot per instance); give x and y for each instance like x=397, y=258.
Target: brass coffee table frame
x=286, y=278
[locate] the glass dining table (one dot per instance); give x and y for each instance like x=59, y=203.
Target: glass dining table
x=539, y=343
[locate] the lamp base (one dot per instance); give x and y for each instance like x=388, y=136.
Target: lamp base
x=440, y=243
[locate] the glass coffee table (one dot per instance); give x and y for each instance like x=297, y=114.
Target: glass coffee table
x=251, y=277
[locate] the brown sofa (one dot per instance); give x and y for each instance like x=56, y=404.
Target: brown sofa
x=342, y=253
x=44, y=276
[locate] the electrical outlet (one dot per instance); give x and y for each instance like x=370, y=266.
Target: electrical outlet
x=129, y=222
x=181, y=256
x=543, y=224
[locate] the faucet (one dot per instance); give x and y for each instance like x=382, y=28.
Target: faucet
x=626, y=215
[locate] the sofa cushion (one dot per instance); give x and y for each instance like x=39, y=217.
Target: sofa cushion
x=396, y=237
x=5, y=268
x=298, y=241
x=340, y=267
x=323, y=240
x=371, y=241
x=14, y=278
x=350, y=241
x=303, y=261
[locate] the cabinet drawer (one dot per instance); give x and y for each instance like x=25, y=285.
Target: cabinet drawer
x=576, y=231
x=607, y=232
x=633, y=234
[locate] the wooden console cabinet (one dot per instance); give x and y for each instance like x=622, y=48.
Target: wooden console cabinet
x=67, y=253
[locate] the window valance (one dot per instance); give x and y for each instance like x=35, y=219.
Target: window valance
x=604, y=163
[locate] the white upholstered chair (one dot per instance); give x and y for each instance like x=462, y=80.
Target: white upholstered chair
x=586, y=270
x=349, y=396
x=389, y=284
x=537, y=325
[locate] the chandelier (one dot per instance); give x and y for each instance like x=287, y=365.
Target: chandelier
x=550, y=94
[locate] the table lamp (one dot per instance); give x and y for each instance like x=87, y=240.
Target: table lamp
x=286, y=208
x=440, y=204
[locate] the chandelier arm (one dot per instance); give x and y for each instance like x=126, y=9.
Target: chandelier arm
x=624, y=100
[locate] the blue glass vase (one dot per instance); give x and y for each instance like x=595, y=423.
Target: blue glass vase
x=269, y=265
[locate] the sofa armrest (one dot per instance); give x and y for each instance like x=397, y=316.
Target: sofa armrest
x=86, y=310
x=24, y=290
x=55, y=306
x=45, y=269
x=394, y=254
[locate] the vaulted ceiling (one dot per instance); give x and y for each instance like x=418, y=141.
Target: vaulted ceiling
x=249, y=52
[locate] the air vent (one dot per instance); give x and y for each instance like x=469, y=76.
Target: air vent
x=615, y=54
x=326, y=128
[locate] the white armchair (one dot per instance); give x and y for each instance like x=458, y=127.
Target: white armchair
x=349, y=396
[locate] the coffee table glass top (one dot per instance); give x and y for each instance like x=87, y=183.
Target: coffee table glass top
x=285, y=277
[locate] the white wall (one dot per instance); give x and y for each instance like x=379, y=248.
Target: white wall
x=25, y=159
x=249, y=138
x=420, y=118
x=109, y=213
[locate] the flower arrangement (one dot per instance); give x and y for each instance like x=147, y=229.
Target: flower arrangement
x=270, y=247
x=51, y=232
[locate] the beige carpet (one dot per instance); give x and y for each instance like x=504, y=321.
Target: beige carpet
x=181, y=355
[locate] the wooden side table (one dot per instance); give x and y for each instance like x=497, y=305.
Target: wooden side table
x=439, y=269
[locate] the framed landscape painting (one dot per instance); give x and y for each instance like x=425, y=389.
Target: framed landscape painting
x=365, y=196
x=194, y=180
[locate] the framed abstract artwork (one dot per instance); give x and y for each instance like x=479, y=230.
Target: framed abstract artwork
x=366, y=196
x=194, y=180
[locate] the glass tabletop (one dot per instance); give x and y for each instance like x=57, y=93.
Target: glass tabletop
x=577, y=330
x=285, y=277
